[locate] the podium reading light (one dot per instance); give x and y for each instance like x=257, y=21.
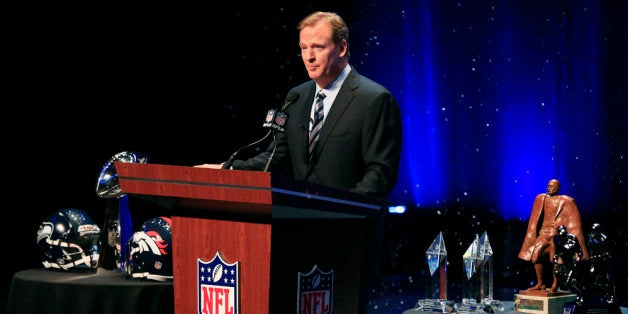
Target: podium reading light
x=117, y=228
x=399, y=209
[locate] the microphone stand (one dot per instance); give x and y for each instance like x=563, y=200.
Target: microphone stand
x=270, y=158
x=292, y=97
x=229, y=161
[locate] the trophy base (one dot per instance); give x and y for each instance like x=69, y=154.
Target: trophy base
x=472, y=306
x=432, y=306
x=542, y=301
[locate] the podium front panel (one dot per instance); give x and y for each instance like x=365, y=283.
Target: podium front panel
x=243, y=242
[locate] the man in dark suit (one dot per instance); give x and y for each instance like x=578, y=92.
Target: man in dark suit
x=358, y=146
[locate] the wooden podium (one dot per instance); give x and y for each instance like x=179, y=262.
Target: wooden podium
x=275, y=228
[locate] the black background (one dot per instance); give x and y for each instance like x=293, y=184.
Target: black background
x=183, y=83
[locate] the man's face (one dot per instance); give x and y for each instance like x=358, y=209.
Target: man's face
x=321, y=57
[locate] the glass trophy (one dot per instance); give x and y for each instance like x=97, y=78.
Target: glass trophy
x=436, y=283
x=477, y=294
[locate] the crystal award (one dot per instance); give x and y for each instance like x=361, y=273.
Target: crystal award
x=471, y=287
x=436, y=283
x=477, y=294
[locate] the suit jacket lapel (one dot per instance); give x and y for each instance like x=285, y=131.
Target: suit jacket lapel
x=342, y=101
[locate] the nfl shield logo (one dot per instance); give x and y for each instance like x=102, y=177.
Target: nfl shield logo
x=270, y=115
x=280, y=119
x=315, y=292
x=218, y=287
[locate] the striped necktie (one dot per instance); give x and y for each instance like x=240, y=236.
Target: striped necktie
x=318, y=123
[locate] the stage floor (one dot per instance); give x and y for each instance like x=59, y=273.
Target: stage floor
x=395, y=294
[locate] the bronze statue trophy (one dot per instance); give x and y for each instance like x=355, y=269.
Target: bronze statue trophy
x=550, y=211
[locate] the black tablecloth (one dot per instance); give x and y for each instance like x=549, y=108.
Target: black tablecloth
x=105, y=291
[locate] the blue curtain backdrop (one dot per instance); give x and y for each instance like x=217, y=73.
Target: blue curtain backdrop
x=499, y=97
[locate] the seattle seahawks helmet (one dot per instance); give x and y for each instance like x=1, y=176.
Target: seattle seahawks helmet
x=69, y=239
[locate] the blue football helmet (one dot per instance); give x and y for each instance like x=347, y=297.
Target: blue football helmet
x=149, y=251
x=69, y=239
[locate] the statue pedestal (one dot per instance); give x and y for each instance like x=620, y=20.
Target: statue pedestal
x=542, y=301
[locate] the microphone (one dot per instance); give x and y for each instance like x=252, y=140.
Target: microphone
x=291, y=99
x=280, y=118
x=275, y=120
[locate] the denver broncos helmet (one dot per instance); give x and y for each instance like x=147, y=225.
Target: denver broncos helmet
x=149, y=251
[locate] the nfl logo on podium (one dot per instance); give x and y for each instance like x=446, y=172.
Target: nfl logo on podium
x=218, y=286
x=315, y=292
